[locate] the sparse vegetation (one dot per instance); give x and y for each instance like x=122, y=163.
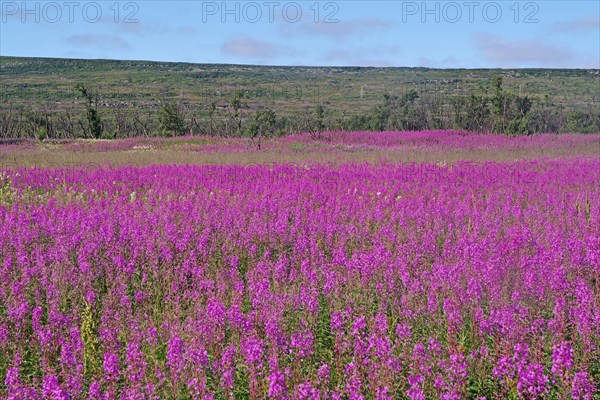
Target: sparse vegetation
x=223, y=100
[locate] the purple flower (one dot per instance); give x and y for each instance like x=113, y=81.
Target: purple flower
x=277, y=387
x=323, y=374
x=13, y=383
x=583, y=387
x=562, y=358
x=95, y=391
x=51, y=389
x=504, y=368
x=403, y=332
x=521, y=353
x=305, y=391
x=111, y=365
x=175, y=355
x=337, y=322
x=532, y=381
x=302, y=342
x=416, y=391
x=251, y=262
x=359, y=326
x=383, y=393
x=253, y=350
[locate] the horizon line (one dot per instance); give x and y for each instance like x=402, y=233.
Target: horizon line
x=304, y=66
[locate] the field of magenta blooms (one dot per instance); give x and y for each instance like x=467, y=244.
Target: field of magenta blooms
x=432, y=141
x=303, y=281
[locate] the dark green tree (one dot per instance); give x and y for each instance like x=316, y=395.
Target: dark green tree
x=172, y=120
x=94, y=126
x=478, y=114
x=212, y=109
x=238, y=105
x=518, y=123
x=262, y=126
x=318, y=126
x=498, y=104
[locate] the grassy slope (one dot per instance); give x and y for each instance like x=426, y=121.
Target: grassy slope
x=298, y=149
x=48, y=83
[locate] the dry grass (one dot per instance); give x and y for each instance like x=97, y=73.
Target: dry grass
x=68, y=154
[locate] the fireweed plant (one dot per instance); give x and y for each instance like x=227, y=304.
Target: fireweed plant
x=349, y=281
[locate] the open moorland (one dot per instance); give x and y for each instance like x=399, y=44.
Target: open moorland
x=69, y=98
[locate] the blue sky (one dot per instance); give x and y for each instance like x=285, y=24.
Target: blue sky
x=440, y=34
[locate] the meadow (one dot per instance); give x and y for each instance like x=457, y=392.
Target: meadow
x=394, y=265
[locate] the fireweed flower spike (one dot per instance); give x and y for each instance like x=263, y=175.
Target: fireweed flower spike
x=350, y=280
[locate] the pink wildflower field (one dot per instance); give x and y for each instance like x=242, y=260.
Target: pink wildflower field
x=454, y=279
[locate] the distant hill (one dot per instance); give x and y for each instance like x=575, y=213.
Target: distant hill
x=133, y=87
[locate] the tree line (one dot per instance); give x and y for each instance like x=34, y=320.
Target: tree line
x=490, y=110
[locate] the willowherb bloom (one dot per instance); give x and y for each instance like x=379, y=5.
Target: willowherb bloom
x=381, y=324
x=175, y=357
x=582, y=387
x=505, y=368
x=315, y=267
x=521, y=354
x=51, y=389
x=380, y=346
x=452, y=396
x=277, y=386
x=305, y=391
x=383, y=393
x=353, y=386
x=226, y=366
x=323, y=374
x=439, y=383
x=302, y=343
x=562, y=358
x=458, y=365
x=532, y=381
x=434, y=346
x=337, y=322
x=403, y=332
x=90, y=296
x=415, y=392
x=359, y=326
x=197, y=388
x=136, y=366
x=12, y=381
x=253, y=349
x=95, y=391
x=111, y=365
